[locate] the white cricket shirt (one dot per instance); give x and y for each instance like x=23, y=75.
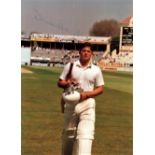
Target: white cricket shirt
x=88, y=77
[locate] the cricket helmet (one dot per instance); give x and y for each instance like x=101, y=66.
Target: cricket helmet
x=73, y=97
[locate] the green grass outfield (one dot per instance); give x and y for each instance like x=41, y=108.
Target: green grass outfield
x=42, y=120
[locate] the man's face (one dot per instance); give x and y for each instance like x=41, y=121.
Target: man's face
x=86, y=54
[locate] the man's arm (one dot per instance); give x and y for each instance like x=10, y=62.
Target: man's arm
x=65, y=78
x=88, y=94
x=63, y=83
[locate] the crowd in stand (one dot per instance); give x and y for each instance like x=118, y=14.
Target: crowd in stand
x=55, y=55
x=115, y=61
x=109, y=61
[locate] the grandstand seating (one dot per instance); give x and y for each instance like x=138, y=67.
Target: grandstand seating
x=55, y=54
x=116, y=61
x=108, y=61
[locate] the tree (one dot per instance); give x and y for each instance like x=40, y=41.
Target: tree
x=106, y=28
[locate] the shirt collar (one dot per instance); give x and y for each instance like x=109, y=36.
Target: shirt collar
x=88, y=66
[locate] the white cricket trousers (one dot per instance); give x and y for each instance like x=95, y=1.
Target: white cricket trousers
x=78, y=132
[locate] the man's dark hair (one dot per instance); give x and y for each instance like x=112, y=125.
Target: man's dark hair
x=86, y=44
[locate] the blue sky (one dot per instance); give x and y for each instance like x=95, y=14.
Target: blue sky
x=74, y=17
